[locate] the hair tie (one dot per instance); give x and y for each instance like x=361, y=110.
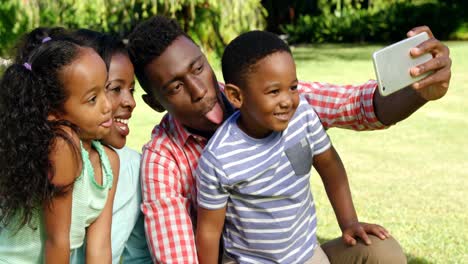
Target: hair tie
x=44, y=40
x=27, y=66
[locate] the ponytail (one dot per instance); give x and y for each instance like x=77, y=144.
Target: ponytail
x=29, y=92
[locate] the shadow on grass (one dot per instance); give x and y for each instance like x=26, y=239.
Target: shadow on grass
x=410, y=258
x=417, y=260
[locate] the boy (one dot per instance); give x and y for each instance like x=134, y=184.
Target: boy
x=253, y=176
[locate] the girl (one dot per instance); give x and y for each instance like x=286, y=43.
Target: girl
x=128, y=237
x=56, y=180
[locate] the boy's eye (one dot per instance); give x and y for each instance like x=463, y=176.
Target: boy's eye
x=293, y=88
x=275, y=91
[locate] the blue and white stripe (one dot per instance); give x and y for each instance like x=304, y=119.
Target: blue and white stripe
x=270, y=215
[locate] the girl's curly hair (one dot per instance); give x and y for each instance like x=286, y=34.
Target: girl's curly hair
x=27, y=98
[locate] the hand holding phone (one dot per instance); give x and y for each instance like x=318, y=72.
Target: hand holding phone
x=392, y=64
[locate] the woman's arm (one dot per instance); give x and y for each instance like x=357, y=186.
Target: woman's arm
x=57, y=214
x=98, y=235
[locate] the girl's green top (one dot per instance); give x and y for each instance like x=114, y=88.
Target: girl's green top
x=89, y=198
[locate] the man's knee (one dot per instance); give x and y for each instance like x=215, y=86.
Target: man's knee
x=379, y=252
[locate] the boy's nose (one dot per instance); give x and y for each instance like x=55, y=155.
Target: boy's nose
x=286, y=101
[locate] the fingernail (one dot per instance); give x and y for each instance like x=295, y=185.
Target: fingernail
x=416, y=85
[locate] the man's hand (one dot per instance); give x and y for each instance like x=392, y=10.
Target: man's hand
x=435, y=85
x=361, y=229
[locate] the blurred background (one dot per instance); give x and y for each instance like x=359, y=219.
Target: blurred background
x=411, y=178
x=213, y=23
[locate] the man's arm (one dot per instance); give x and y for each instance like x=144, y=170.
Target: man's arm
x=168, y=225
x=360, y=107
x=402, y=104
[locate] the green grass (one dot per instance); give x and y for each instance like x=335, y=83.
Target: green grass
x=411, y=178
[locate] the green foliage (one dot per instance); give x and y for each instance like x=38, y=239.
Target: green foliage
x=212, y=23
x=382, y=22
x=13, y=22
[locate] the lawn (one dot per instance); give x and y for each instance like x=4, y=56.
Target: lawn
x=411, y=178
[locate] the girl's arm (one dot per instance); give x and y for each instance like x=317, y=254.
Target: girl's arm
x=57, y=214
x=98, y=236
x=209, y=229
x=328, y=164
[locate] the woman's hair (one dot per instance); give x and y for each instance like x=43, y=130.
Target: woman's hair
x=105, y=45
x=30, y=90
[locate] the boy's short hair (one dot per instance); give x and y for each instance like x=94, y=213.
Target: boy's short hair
x=245, y=51
x=148, y=41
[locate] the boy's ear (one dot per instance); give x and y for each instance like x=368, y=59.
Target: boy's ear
x=151, y=102
x=234, y=95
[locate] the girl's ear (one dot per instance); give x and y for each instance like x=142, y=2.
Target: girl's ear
x=53, y=116
x=234, y=95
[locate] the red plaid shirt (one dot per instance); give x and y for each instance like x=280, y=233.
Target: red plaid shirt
x=170, y=159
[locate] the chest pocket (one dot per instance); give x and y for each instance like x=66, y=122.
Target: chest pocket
x=300, y=157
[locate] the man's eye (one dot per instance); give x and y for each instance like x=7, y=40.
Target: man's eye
x=175, y=88
x=199, y=69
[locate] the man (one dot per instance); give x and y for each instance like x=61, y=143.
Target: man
x=177, y=77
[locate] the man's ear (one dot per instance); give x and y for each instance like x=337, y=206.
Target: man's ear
x=151, y=102
x=234, y=95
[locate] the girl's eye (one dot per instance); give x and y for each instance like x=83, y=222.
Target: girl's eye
x=293, y=88
x=92, y=100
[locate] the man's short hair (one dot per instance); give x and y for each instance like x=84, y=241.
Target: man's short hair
x=148, y=41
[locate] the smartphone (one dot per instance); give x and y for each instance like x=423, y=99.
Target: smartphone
x=392, y=64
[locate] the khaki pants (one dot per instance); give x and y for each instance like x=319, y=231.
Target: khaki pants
x=386, y=251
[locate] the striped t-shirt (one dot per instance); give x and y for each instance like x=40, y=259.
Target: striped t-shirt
x=270, y=214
